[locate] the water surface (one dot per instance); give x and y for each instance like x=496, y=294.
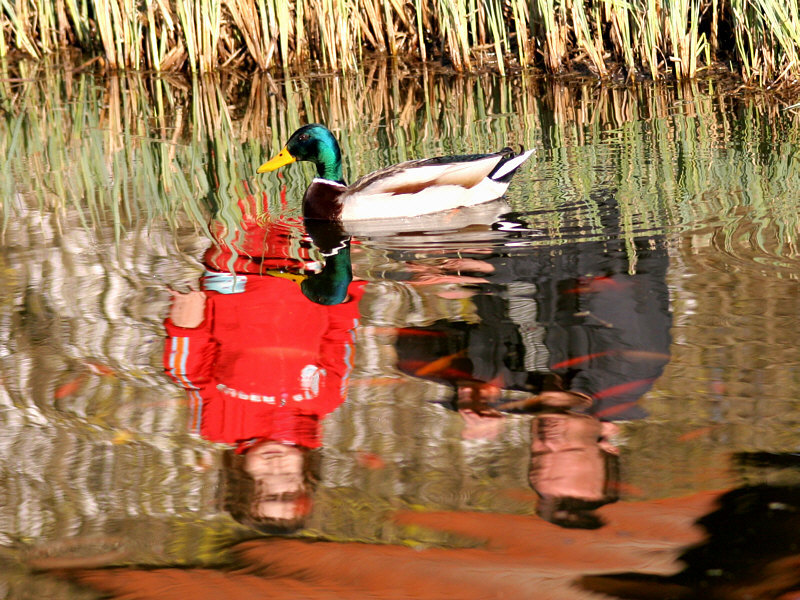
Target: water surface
x=666, y=215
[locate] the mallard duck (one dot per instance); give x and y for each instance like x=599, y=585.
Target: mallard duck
x=408, y=189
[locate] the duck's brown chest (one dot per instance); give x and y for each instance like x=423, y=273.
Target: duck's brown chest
x=322, y=200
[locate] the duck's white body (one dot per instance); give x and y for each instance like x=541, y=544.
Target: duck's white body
x=423, y=187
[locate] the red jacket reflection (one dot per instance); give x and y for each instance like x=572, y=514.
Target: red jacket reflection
x=266, y=363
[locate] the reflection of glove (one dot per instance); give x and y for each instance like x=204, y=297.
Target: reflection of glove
x=188, y=309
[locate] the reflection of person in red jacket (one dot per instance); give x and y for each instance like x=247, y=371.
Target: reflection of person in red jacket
x=262, y=364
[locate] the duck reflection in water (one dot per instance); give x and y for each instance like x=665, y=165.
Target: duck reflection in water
x=582, y=328
x=264, y=351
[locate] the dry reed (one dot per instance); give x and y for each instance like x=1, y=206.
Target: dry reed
x=760, y=39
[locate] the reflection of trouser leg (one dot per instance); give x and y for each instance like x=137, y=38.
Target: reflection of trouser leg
x=522, y=311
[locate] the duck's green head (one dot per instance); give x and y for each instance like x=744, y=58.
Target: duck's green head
x=313, y=143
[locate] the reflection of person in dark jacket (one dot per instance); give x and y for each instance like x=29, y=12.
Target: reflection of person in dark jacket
x=262, y=364
x=580, y=331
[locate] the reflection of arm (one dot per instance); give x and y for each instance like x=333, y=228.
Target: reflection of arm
x=337, y=350
x=620, y=345
x=189, y=352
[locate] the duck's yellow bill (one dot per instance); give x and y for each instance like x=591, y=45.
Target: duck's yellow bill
x=282, y=158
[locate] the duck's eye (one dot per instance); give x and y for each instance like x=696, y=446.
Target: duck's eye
x=303, y=137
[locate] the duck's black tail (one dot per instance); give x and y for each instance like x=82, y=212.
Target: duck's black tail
x=511, y=161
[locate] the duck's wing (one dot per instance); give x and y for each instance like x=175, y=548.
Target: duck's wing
x=416, y=175
x=422, y=187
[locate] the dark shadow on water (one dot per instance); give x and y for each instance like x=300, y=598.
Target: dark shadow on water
x=751, y=550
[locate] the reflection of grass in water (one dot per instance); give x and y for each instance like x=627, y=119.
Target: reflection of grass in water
x=389, y=450
x=150, y=149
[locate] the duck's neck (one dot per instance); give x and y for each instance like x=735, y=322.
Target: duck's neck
x=329, y=163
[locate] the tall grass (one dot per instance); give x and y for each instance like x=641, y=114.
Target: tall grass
x=760, y=39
